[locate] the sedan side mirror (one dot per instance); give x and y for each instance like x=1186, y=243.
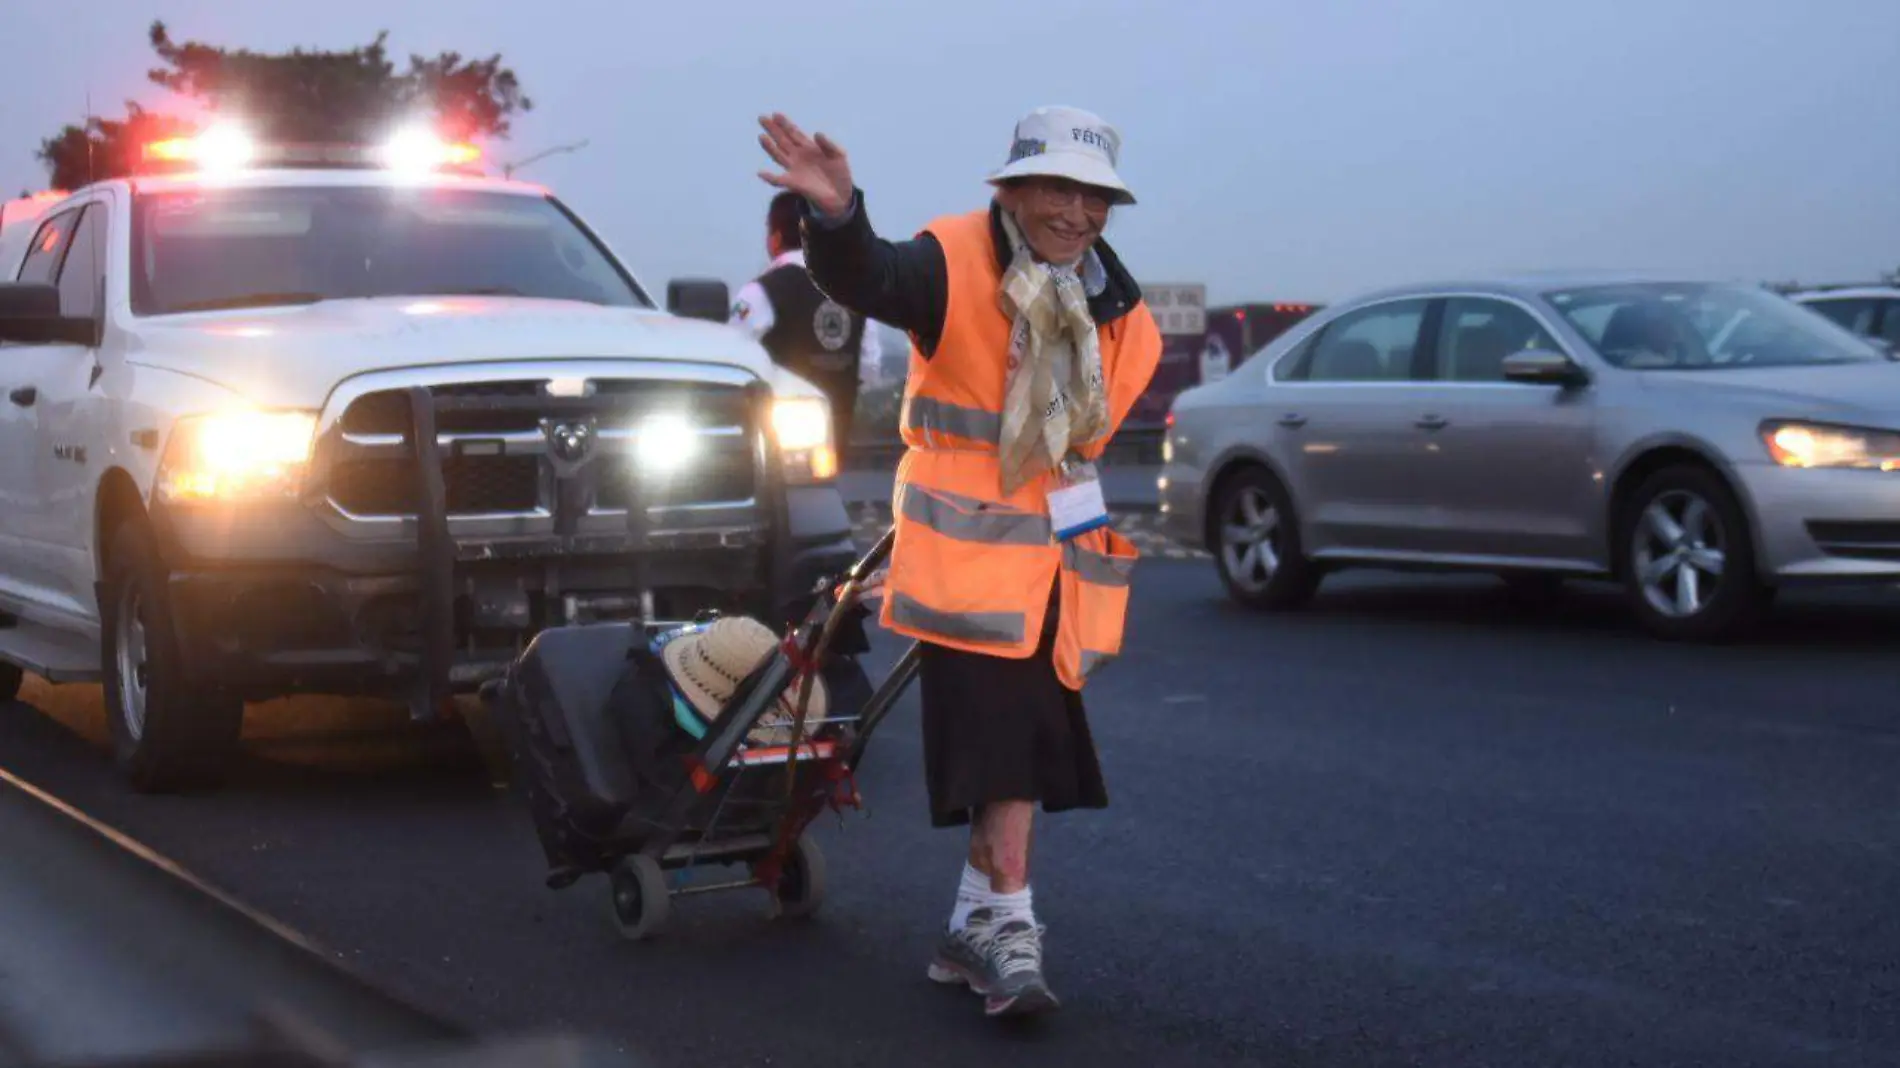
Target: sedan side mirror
x=1543, y=367
x=699, y=298
x=29, y=313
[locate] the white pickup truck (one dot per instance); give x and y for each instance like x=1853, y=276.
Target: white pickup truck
x=330, y=425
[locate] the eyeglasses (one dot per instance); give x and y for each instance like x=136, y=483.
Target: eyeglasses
x=1061, y=192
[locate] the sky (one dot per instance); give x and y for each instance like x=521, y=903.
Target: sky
x=1281, y=150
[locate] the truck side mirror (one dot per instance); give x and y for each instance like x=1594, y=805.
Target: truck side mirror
x=29, y=313
x=699, y=298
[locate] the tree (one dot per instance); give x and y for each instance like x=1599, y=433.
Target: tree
x=299, y=95
x=105, y=148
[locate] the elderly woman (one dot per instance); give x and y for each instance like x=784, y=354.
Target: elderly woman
x=1030, y=345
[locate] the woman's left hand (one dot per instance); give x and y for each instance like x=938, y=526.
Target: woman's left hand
x=871, y=590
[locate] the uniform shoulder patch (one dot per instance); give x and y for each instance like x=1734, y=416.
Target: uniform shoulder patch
x=832, y=323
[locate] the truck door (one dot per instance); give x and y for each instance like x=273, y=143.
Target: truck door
x=25, y=578
x=73, y=445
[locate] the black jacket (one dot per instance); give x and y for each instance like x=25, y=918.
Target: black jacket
x=907, y=283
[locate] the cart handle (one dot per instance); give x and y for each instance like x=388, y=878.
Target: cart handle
x=874, y=559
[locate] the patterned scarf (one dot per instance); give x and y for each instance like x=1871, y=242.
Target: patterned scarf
x=1055, y=399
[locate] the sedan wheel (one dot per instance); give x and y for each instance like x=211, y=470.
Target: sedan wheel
x=1250, y=540
x=1255, y=538
x=1689, y=566
x=1679, y=554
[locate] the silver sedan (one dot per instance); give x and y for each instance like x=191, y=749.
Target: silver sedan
x=1703, y=444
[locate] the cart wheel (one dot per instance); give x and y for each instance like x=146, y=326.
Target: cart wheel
x=801, y=883
x=638, y=900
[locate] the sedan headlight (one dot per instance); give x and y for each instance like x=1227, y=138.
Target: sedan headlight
x=1794, y=444
x=236, y=455
x=802, y=426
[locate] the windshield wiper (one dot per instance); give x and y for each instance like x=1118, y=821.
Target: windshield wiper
x=249, y=300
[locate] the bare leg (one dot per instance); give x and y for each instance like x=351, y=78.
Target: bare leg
x=1002, y=957
x=999, y=844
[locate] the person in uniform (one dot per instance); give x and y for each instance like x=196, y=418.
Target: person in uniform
x=1030, y=344
x=805, y=331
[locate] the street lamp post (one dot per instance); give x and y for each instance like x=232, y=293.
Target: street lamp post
x=508, y=169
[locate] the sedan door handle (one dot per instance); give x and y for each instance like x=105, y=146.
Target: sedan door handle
x=24, y=396
x=1432, y=422
x=1293, y=420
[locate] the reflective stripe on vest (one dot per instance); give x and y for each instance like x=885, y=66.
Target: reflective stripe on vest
x=1091, y=660
x=928, y=416
x=1097, y=568
x=967, y=519
x=989, y=628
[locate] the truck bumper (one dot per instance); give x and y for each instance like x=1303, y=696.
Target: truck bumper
x=267, y=630
x=270, y=599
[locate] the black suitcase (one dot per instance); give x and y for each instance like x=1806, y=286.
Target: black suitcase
x=598, y=752
x=586, y=741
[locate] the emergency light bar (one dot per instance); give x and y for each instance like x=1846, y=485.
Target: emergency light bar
x=222, y=149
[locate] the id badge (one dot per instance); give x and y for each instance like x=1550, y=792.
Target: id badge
x=1077, y=506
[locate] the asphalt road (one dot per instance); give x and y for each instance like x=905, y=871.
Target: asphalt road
x=1413, y=826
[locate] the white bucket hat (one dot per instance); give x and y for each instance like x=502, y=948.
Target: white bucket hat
x=708, y=664
x=1066, y=142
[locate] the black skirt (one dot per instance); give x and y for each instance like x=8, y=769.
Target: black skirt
x=997, y=729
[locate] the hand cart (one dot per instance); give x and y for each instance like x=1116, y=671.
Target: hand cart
x=723, y=799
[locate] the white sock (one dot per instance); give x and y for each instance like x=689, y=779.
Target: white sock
x=1014, y=906
x=975, y=893
x=972, y=893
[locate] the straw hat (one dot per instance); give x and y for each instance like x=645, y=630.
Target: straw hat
x=708, y=664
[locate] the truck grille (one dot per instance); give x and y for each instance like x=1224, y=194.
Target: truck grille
x=498, y=462
x=484, y=485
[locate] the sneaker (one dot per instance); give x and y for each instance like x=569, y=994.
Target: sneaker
x=1002, y=961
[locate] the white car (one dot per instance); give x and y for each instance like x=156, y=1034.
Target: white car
x=215, y=492
x=1871, y=311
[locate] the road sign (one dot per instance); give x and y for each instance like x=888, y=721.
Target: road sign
x=1178, y=309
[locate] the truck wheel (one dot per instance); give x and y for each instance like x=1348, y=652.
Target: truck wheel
x=166, y=736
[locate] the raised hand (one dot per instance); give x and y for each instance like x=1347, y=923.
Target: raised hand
x=814, y=167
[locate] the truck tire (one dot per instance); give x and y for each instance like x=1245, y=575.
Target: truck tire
x=166, y=735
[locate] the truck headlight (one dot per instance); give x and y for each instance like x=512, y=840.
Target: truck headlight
x=236, y=455
x=802, y=426
x=1795, y=444
x=663, y=444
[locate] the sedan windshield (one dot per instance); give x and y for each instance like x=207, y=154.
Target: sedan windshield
x=1688, y=326
x=211, y=248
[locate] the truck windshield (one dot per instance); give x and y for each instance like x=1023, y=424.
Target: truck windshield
x=203, y=249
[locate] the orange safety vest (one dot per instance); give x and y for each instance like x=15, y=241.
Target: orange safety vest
x=971, y=568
